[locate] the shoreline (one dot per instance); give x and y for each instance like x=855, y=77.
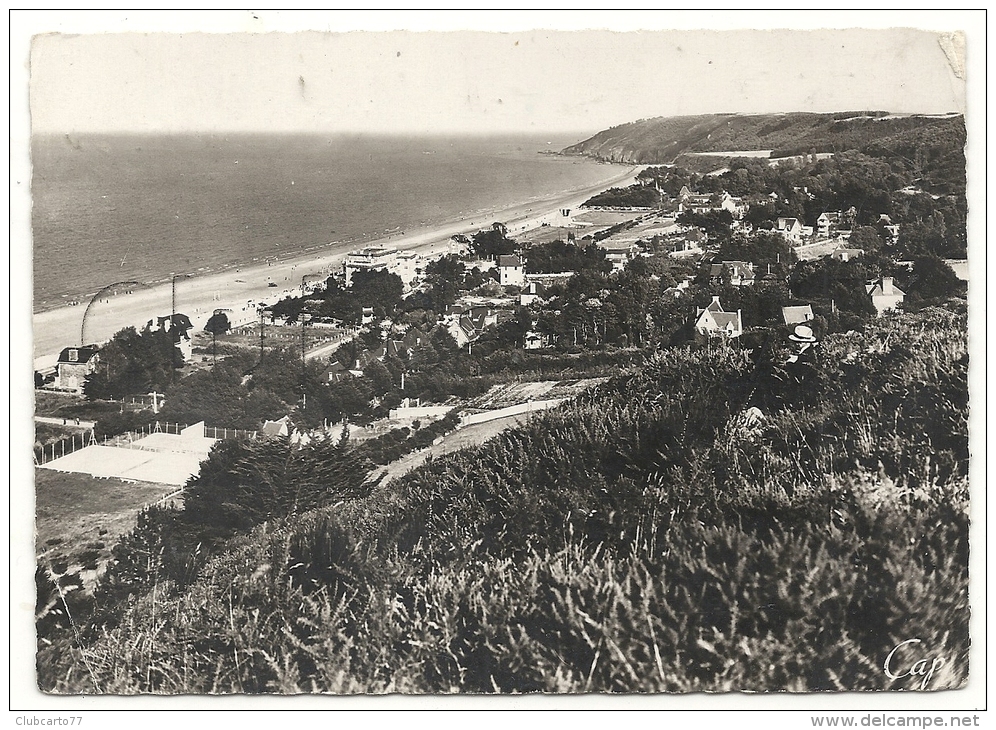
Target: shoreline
x=238, y=286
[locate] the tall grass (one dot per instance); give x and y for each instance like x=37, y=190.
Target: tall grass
x=641, y=538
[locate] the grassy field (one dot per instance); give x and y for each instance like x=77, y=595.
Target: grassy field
x=48, y=403
x=73, y=512
x=606, y=218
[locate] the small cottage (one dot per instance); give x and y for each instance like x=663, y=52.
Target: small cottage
x=73, y=365
x=713, y=322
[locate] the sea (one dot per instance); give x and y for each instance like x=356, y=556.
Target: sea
x=109, y=209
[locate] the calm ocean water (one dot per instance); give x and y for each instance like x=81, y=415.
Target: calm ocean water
x=109, y=209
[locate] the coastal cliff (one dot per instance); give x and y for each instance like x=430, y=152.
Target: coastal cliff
x=662, y=140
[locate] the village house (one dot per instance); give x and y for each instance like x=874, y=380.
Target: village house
x=694, y=202
x=893, y=230
x=534, y=340
x=737, y=206
x=402, y=348
x=885, y=295
x=178, y=326
x=797, y=315
x=618, y=253
x=276, y=429
x=532, y=293
x=790, y=228
x=713, y=322
x=73, y=365
x=846, y=254
x=830, y=222
x=511, y=271
x=466, y=324
x=741, y=272
x=689, y=242
x=336, y=372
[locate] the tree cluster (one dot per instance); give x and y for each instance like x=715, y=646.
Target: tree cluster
x=132, y=363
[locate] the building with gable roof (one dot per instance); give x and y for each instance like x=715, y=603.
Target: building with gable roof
x=511, y=271
x=713, y=321
x=797, y=315
x=828, y=222
x=73, y=365
x=790, y=228
x=885, y=295
x=846, y=254
x=178, y=326
x=741, y=272
x=276, y=429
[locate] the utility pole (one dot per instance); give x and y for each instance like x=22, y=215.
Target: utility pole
x=262, y=322
x=305, y=318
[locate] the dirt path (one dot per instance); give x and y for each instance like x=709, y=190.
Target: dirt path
x=453, y=441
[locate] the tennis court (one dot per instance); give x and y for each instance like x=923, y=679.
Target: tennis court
x=159, y=457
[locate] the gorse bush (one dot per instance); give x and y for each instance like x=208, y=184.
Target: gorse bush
x=644, y=537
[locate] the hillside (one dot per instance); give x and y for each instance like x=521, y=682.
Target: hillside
x=662, y=543
x=663, y=139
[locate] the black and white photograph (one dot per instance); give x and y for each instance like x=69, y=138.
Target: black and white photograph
x=483, y=359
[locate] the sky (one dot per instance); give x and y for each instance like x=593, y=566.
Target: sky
x=435, y=78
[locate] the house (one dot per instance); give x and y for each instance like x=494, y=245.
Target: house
x=178, y=326
x=73, y=365
x=467, y=325
x=336, y=372
x=737, y=206
x=846, y=254
x=741, y=272
x=275, y=429
x=790, y=228
x=532, y=293
x=713, y=321
x=511, y=271
x=887, y=225
x=402, y=348
x=689, y=201
x=618, y=253
x=672, y=292
x=885, y=295
x=690, y=241
x=797, y=315
x=534, y=340
x=828, y=222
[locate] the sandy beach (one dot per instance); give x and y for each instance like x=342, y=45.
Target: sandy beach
x=239, y=290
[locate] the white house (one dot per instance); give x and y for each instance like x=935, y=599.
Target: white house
x=714, y=322
x=511, y=271
x=797, y=315
x=790, y=228
x=885, y=295
x=827, y=222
